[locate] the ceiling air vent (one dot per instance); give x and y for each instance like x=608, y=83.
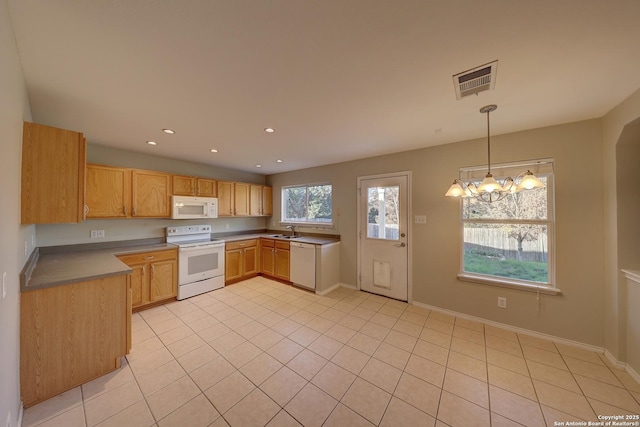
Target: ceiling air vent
x=476, y=80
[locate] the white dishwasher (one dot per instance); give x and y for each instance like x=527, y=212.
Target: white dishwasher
x=302, y=270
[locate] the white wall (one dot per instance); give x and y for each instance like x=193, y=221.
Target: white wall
x=615, y=300
x=14, y=108
x=577, y=149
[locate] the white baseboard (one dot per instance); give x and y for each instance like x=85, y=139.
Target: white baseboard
x=20, y=414
x=344, y=285
x=326, y=291
x=622, y=365
x=529, y=332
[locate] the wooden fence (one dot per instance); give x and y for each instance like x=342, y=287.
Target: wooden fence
x=497, y=243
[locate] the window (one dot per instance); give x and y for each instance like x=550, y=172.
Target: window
x=510, y=241
x=309, y=204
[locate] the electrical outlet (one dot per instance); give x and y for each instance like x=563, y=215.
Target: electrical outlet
x=226, y=226
x=9, y=419
x=420, y=219
x=502, y=302
x=101, y=233
x=94, y=234
x=4, y=285
x=26, y=248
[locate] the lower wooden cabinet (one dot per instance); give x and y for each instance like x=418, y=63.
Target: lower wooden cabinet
x=241, y=260
x=154, y=278
x=71, y=334
x=275, y=259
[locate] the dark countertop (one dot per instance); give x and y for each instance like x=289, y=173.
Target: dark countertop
x=315, y=240
x=46, y=268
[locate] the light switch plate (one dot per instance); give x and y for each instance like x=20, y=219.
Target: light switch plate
x=4, y=285
x=420, y=219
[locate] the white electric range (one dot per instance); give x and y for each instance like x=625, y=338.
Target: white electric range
x=200, y=260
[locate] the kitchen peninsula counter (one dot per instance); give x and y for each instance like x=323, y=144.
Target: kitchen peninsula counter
x=63, y=265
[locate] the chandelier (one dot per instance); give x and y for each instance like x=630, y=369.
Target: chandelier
x=491, y=190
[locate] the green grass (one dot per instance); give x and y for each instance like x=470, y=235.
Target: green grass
x=523, y=270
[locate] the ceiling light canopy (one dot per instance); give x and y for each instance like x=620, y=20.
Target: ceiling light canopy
x=491, y=190
x=169, y=131
x=269, y=130
x=213, y=150
x=152, y=143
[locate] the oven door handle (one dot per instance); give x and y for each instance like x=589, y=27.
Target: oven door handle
x=202, y=247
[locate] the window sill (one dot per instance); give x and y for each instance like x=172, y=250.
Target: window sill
x=506, y=283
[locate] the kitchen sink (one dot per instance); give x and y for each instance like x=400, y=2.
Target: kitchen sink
x=282, y=236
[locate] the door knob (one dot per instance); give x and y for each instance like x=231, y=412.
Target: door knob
x=401, y=245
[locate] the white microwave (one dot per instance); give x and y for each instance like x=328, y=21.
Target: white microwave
x=188, y=207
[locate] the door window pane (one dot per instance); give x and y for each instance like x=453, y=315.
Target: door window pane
x=383, y=212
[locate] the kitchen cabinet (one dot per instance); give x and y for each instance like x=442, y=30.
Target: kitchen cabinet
x=225, y=198
x=233, y=198
x=154, y=278
x=71, y=334
x=241, y=199
x=53, y=175
x=193, y=186
x=108, y=192
x=241, y=260
x=150, y=195
x=275, y=258
x=261, y=203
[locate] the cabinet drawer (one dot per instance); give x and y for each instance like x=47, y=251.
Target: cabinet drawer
x=149, y=257
x=230, y=246
x=282, y=245
x=268, y=243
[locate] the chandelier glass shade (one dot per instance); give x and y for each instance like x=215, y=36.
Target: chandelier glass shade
x=490, y=189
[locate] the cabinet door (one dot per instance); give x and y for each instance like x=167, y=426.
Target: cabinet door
x=282, y=264
x=233, y=264
x=108, y=192
x=225, y=198
x=267, y=201
x=164, y=280
x=255, y=200
x=206, y=187
x=183, y=185
x=266, y=259
x=251, y=262
x=53, y=175
x=241, y=199
x=151, y=192
x=139, y=285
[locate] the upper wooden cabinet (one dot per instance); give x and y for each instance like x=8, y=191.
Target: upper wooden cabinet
x=151, y=193
x=193, y=186
x=108, y=192
x=261, y=203
x=225, y=198
x=241, y=199
x=206, y=187
x=53, y=175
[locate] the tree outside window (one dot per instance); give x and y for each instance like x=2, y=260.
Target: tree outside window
x=307, y=204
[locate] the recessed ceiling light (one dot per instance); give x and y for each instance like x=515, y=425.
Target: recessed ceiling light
x=213, y=150
x=269, y=130
x=152, y=143
x=258, y=166
x=169, y=131
x=279, y=161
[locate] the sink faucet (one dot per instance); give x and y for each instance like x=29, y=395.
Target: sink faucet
x=292, y=227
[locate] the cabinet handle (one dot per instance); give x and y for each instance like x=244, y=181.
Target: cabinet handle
x=153, y=269
x=125, y=210
x=86, y=210
x=143, y=270
x=149, y=257
x=134, y=212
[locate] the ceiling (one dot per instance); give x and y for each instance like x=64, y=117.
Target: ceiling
x=337, y=79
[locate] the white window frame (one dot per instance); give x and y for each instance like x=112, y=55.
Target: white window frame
x=540, y=168
x=317, y=224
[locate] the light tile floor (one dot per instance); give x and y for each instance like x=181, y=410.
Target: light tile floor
x=262, y=353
